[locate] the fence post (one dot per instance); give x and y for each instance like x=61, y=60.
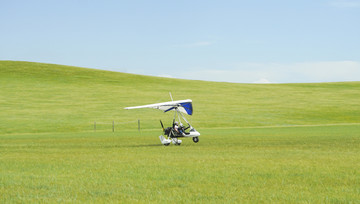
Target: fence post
x=113, y=126
x=139, y=125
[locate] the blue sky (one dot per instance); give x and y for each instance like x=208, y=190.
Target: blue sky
x=234, y=41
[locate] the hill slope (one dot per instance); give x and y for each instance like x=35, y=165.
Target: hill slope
x=38, y=97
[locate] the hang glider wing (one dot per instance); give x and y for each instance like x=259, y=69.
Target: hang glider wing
x=184, y=106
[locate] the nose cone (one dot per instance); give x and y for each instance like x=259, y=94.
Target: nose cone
x=196, y=133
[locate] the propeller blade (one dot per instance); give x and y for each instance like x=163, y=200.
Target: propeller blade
x=162, y=125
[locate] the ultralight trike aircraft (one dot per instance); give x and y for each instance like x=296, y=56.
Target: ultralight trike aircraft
x=176, y=130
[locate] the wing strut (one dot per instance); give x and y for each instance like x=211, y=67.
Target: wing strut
x=171, y=96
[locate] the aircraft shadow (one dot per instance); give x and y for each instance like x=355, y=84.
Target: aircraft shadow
x=144, y=145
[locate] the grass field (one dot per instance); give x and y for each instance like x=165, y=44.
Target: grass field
x=260, y=143
x=294, y=164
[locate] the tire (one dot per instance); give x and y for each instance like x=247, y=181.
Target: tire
x=196, y=139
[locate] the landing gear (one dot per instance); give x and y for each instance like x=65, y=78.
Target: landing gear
x=196, y=139
x=164, y=141
x=175, y=141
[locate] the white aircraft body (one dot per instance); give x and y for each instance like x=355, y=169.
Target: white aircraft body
x=177, y=130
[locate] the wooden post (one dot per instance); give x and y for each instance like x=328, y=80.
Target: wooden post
x=139, y=125
x=113, y=126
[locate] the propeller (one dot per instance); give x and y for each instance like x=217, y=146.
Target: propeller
x=162, y=125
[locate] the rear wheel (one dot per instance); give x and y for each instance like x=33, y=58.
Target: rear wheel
x=196, y=139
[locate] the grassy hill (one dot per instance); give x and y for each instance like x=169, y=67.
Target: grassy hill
x=271, y=143
x=38, y=97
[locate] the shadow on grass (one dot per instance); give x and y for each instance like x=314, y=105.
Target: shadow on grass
x=134, y=145
x=145, y=145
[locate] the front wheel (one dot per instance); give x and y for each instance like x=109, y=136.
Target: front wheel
x=196, y=139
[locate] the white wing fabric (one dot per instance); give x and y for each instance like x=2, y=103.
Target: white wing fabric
x=184, y=106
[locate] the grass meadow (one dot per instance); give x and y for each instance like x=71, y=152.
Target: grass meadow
x=274, y=143
x=318, y=164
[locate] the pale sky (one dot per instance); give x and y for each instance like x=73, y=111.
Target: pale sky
x=234, y=41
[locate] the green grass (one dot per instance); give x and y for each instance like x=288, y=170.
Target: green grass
x=38, y=98
x=293, y=164
x=260, y=143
